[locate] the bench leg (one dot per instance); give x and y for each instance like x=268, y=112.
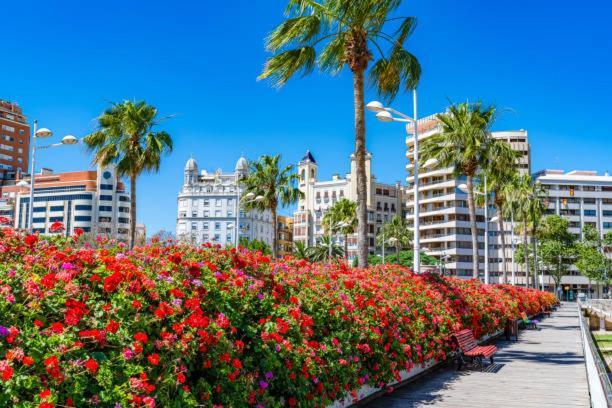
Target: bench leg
x=480, y=363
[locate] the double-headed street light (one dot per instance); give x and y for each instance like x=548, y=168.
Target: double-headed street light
x=42, y=133
x=385, y=114
x=463, y=188
x=247, y=198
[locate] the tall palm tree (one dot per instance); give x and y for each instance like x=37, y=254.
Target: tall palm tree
x=275, y=184
x=344, y=212
x=396, y=232
x=500, y=168
x=332, y=34
x=529, y=197
x=126, y=136
x=462, y=144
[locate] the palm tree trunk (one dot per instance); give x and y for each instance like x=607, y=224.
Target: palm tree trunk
x=526, y=244
x=360, y=158
x=474, y=230
x=503, y=243
x=274, y=231
x=345, y=246
x=132, y=210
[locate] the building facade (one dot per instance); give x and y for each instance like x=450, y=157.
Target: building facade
x=94, y=201
x=443, y=210
x=285, y=236
x=208, y=205
x=584, y=198
x=384, y=201
x=14, y=141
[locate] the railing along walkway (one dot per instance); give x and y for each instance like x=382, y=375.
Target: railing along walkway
x=545, y=368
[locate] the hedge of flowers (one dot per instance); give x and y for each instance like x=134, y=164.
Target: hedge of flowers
x=178, y=326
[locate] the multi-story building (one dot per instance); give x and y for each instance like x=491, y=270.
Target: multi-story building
x=285, y=235
x=584, y=198
x=444, y=217
x=384, y=201
x=14, y=141
x=94, y=201
x=208, y=205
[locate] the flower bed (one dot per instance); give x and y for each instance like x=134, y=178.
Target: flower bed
x=173, y=325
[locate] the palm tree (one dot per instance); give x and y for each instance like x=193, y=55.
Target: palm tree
x=320, y=252
x=500, y=169
x=462, y=144
x=396, y=232
x=126, y=136
x=332, y=34
x=529, y=198
x=300, y=250
x=342, y=212
x=275, y=185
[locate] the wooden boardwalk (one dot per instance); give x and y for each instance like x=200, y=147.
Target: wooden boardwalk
x=545, y=368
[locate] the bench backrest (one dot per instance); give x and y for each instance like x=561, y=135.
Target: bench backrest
x=465, y=340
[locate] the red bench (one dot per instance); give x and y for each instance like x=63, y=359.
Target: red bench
x=469, y=349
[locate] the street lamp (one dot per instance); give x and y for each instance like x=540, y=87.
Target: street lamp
x=385, y=114
x=463, y=188
x=340, y=224
x=42, y=133
x=245, y=199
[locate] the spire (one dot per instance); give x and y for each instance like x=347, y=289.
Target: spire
x=308, y=157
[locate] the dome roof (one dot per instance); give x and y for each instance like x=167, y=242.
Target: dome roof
x=191, y=164
x=242, y=165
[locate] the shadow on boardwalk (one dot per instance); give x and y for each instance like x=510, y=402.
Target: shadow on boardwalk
x=545, y=368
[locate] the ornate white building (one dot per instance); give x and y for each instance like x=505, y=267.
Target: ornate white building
x=384, y=201
x=208, y=205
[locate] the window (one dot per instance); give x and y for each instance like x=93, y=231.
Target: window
x=590, y=213
x=217, y=225
x=106, y=186
x=206, y=214
x=56, y=219
x=217, y=238
x=38, y=219
x=8, y=128
x=218, y=203
x=124, y=199
x=194, y=226
x=124, y=220
x=80, y=207
x=56, y=208
x=206, y=203
x=106, y=197
x=205, y=226
x=104, y=219
x=607, y=213
x=124, y=210
x=39, y=209
x=105, y=208
x=82, y=218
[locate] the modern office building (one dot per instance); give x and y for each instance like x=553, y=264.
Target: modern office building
x=384, y=201
x=584, y=198
x=444, y=217
x=285, y=235
x=14, y=141
x=94, y=201
x=208, y=205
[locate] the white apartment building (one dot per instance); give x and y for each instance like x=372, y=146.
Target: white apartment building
x=384, y=201
x=94, y=201
x=208, y=205
x=584, y=198
x=444, y=216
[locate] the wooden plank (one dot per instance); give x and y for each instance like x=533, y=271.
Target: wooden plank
x=545, y=368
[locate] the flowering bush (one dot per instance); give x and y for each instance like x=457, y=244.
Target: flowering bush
x=179, y=326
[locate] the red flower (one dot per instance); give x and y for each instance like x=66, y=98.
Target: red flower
x=112, y=282
x=57, y=328
x=112, y=326
x=141, y=337
x=180, y=377
x=56, y=227
x=91, y=365
x=78, y=232
x=7, y=373
x=28, y=361
x=153, y=359
x=31, y=240
x=4, y=221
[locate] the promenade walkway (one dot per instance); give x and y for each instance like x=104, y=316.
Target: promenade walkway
x=545, y=368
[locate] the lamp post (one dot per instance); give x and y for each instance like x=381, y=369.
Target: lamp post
x=385, y=114
x=513, y=243
x=42, y=133
x=247, y=198
x=485, y=194
x=332, y=226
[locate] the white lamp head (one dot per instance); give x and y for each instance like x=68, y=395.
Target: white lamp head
x=69, y=140
x=43, y=132
x=375, y=106
x=431, y=163
x=230, y=225
x=463, y=188
x=249, y=195
x=259, y=198
x=384, y=116
x=23, y=183
x=494, y=219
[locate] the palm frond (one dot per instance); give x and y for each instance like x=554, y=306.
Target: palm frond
x=283, y=66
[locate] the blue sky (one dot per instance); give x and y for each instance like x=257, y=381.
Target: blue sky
x=547, y=64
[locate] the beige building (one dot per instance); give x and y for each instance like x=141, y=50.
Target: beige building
x=384, y=201
x=285, y=235
x=444, y=217
x=584, y=198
